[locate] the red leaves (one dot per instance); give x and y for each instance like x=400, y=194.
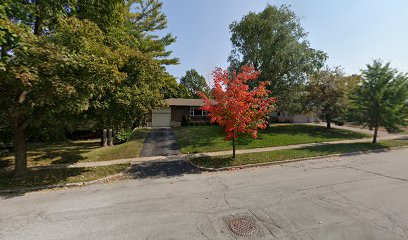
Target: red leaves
x=237, y=108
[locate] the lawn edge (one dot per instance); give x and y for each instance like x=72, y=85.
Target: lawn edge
x=114, y=177
x=253, y=165
x=368, y=137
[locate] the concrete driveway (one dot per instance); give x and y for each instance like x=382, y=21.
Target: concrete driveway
x=160, y=142
x=360, y=197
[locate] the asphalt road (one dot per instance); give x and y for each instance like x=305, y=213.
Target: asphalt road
x=359, y=197
x=160, y=142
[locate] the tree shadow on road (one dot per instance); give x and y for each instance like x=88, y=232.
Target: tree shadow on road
x=164, y=169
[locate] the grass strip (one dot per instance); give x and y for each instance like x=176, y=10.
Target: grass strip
x=290, y=154
x=46, y=177
x=129, y=149
x=70, y=152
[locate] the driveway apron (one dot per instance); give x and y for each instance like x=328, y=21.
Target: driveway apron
x=160, y=142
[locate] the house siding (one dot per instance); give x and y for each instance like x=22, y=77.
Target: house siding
x=177, y=113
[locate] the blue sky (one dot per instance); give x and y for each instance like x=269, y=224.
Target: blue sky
x=351, y=32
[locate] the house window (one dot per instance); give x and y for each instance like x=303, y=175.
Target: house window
x=195, y=111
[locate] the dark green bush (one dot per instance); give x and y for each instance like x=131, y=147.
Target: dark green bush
x=122, y=136
x=184, y=121
x=273, y=120
x=339, y=121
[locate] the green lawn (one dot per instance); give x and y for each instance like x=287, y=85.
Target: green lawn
x=43, y=154
x=211, y=139
x=46, y=177
x=280, y=155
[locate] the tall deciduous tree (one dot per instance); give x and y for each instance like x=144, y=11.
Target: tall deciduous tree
x=382, y=98
x=194, y=82
x=237, y=108
x=40, y=85
x=327, y=91
x=47, y=80
x=274, y=42
x=64, y=62
x=172, y=89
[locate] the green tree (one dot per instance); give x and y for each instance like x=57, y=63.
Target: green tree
x=47, y=80
x=194, y=82
x=145, y=19
x=172, y=89
x=60, y=66
x=327, y=93
x=382, y=98
x=131, y=33
x=274, y=42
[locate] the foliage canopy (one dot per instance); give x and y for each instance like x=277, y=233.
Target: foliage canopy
x=236, y=107
x=66, y=64
x=275, y=43
x=193, y=82
x=381, y=99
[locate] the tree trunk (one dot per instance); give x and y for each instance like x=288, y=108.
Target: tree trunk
x=20, y=150
x=375, y=134
x=104, y=141
x=37, y=26
x=233, y=148
x=38, y=19
x=328, y=121
x=3, y=51
x=110, y=137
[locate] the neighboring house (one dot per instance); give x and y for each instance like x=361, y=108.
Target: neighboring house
x=295, y=118
x=172, y=114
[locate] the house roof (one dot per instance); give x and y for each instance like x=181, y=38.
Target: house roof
x=185, y=102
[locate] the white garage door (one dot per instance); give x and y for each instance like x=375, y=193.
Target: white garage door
x=161, y=117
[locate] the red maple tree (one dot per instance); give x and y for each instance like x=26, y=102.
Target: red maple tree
x=236, y=107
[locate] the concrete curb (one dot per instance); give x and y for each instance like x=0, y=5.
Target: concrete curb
x=253, y=165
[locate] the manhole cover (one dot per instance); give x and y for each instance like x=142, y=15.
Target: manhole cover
x=242, y=226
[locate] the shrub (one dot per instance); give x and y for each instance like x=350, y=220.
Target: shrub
x=339, y=121
x=122, y=136
x=184, y=121
x=273, y=120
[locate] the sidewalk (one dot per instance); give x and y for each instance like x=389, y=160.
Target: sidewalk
x=213, y=154
x=381, y=133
